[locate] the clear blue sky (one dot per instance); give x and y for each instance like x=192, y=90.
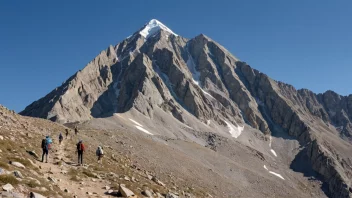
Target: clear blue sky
x=304, y=43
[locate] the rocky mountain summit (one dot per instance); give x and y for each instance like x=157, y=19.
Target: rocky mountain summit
x=181, y=89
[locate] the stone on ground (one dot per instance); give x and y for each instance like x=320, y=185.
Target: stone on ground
x=17, y=164
x=125, y=191
x=18, y=174
x=7, y=187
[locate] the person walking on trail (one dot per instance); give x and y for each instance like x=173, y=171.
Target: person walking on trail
x=80, y=151
x=100, y=154
x=66, y=133
x=76, y=130
x=46, y=142
x=60, y=138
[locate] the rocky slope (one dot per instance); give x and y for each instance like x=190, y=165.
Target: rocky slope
x=156, y=71
x=23, y=174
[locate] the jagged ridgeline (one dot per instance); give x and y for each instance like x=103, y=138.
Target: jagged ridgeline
x=201, y=85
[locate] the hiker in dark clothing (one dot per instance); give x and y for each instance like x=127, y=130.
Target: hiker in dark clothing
x=76, y=130
x=66, y=133
x=60, y=138
x=45, y=146
x=80, y=151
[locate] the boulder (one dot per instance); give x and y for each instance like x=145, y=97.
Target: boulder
x=125, y=192
x=36, y=195
x=52, y=179
x=7, y=187
x=17, y=164
x=171, y=195
x=33, y=153
x=18, y=174
x=147, y=193
x=158, y=181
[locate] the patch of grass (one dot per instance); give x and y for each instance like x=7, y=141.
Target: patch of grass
x=5, y=179
x=32, y=184
x=75, y=178
x=74, y=175
x=4, y=165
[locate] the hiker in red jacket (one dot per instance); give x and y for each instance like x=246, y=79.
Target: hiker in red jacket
x=80, y=151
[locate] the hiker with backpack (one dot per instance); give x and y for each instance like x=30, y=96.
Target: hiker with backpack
x=46, y=143
x=60, y=138
x=80, y=151
x=100, y=154
x=66, y=133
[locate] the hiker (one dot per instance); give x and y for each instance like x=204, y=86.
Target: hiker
x=66, y=133
x=60, y=138
x=46, y=146
x=100, y=154
x=76, y=130
x=80, y=150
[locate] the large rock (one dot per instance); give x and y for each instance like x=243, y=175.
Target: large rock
x=17, y=164
x=171, y=195
x=36, y=195
x=7, y=187
x=18, y=174
x=125, y=192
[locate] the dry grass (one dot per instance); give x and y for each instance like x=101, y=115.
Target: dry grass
x=4, y=165
x=89, y=174
x=8, y=179
x=31, y=184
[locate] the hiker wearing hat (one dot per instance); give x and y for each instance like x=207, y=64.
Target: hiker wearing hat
x=80, y=151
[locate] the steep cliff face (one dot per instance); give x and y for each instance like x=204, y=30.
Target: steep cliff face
x=155, y=68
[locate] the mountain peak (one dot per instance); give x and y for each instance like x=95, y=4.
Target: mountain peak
x=153, y=27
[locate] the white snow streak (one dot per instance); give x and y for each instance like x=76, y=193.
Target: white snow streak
x=192, y=68
x=265, y=168
x=206, y=93
x=153, y=27
x=270, y=139
x=234, y=131
x=273, y=152
x=144, y=130
x=277, y=175
x=136, y=122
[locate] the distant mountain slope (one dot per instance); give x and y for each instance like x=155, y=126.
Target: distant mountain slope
x=158, y=69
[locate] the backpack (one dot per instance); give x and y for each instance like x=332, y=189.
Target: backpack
x=80, y=147
x=45, y=144
x=99, y=151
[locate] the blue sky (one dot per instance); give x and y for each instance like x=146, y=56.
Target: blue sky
x=304, y=43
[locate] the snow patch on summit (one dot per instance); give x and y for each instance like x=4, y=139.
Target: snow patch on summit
x=153, y=27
